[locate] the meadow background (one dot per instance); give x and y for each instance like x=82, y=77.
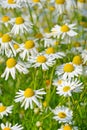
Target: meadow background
x=42, y=18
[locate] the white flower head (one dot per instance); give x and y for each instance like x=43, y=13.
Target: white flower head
x=6, y=20
x=42, y=60
x=28, y=96
x=7, y=45
x=20, y=25
x=8, y=126
x=60, y=6
x=68, y=127
x=68, y=87
x=9, y=4
x=69, y=70
x=27, y=49
x=11, y=66
x=5, y=110
x=64, y=30
x=62, y=114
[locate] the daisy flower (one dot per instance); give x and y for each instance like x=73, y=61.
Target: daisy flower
x=8, y=126
x=60, y=6
x=28, y=96
x=9, y=4
x=5, y=110
x=64, y=30
x=68, y=86
x=6, y=45
x=58, y=81
x=42, y=60
x=20, y=25
x=11, y=66
x=55, y=55
x=62, y=114
x=5, y=20
x=27, y=49
x=81, y=4
x=84, y=56
x=69, y=70
x=68, y=127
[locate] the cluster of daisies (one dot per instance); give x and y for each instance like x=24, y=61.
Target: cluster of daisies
x=25, y=45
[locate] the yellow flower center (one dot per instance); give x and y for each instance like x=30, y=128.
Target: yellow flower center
x=6, y=38
x=60, y=81
x=2, y=108
x=50, y=50
x=76, y=44
x=11, y=62
x=36, y=1
x=11, y=2
x=61, y=114
x=66, y=88
x=28, y=93
x=29, y=44
x=16, y=46
x=68, y=67
x=51, y=8
x=60, y=1
x=41, y=59
x=19, y=20
x=82, y=1
x=56, y=43
x=65, y=28
x=6, y=128
x=67, y=127
x=77, y=60
x=1, y=34
x=5, y=19
x=45, y=104
x=39, y=35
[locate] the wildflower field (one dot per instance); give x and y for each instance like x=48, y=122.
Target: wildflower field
x=43, y=64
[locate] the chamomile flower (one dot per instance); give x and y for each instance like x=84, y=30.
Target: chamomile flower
x=58, y=81
x=67, y=87
x=6, y=45
x=69, y=70
x=8, y=126
x=62, y=114
x=81, y=4
x=68, y=127
x=5, y=110
x=27, y=49
x=28, y=96
x=9, y=4
x=64, y=30
x=12, y=66
x=84, y=56
x=6, y=20
x=42, y=60
x=55, y=55
x=60, y=6
x=20, y=25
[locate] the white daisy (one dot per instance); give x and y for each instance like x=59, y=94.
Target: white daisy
x=28, y=96
x=58, y=81
x=11, y=66
x=69, y=70
x=81, y=4
x=6, y=45
x=20, y=26
x=8, y=126
x=68, y=86
x=5, y=110
x=60, y=6
x=84, y=56
x=62, y=114
x=63, y=31
x=28, y=49
x=68, y=127
x=55, y=55
x=9, y=4
x=5, y=20
x=42, y=60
